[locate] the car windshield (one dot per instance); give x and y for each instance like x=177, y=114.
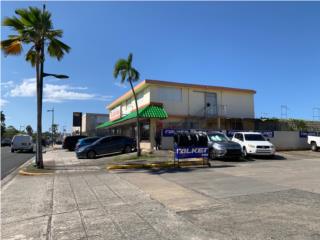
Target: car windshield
x=88, y=140
x=218, y=137
x=254, y=137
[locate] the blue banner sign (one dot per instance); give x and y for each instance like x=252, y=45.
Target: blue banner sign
x=305, y=134
x=230, y=133
x=267, y=134
x=168, y=132
x=191, y=152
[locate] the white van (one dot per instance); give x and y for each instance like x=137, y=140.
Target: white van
x=22, y=142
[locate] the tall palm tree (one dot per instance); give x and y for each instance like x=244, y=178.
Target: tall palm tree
x=34, y=27
x=130, y=74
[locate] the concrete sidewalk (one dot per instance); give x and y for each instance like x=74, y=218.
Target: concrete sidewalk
x=82, y=201
x=256, y=199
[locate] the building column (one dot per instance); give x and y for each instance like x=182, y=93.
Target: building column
x=219, y=123
x=153, y=128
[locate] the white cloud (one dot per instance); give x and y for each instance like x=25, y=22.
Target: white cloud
x=121, y=85
x=3, y=102
x=53, y=92
x=6, y=84
x=26, y=89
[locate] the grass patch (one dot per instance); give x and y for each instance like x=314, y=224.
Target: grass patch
x=145, y=156
x=31, y=168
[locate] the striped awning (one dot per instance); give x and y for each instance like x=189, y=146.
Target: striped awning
x=146, y=112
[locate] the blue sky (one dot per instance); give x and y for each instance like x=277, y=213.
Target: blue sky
x=272, y=47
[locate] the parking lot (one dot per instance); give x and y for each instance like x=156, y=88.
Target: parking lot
x=254, y=199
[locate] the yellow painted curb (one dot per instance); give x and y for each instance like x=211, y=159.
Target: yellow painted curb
x=24, y=173
x=152, y=165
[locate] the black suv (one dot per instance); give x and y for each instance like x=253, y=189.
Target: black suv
x=107, y=145
x=71, y=141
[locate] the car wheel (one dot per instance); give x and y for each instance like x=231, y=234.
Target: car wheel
x=314, y=147
x=91, y=154
x=212, y=154
x=127, y=149
x=244, y=153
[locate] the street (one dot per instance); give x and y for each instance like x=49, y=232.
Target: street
x=10, y=161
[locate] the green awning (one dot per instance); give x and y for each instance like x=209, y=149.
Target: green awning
x=146, y=112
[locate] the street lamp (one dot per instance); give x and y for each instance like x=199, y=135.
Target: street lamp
x=60, y=76
x=52, y=110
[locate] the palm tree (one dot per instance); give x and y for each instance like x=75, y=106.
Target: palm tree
x=130, y=74
x=34, y=27
x=29, y=130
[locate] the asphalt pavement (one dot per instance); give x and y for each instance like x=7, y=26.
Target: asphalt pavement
x=11, y=161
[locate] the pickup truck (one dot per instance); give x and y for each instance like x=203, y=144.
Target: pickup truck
x=314, y=141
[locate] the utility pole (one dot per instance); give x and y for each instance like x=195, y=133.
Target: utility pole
x=52, y=110
x=316, y=114
x=284, y=111
x=21, y=127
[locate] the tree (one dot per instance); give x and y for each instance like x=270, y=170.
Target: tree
x=10, y=132
x=3, y=125
x=130, y=74
x=29, y=130
x=34, y=27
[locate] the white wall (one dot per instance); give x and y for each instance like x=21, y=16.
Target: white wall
x=143, y=99
x=289, y=140
x=230, y=103
x=283, y=140
x=237, y=104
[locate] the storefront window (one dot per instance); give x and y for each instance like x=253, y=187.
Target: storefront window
x=145, y=130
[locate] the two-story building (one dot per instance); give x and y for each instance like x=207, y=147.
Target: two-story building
x=172, y=105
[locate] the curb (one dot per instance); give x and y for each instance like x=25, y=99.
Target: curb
x=152, y=165
x=11, y=176
x=25, y=173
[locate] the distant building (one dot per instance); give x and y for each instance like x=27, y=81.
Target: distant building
x=171, y=105
x=90, y=121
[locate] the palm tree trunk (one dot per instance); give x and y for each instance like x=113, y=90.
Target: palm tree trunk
x=138, y=125
x=39, y=161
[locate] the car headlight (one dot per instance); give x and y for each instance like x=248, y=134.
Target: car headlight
x=81, y=149
x=252, y=146
x=219, y=147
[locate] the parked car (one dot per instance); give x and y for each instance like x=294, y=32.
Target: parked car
x=314, y=141
x=22, y=142
x=6, y=142
x=107, y=145
x=85, y=141
x=71, y=141
x=220, y=146
x=253, y=143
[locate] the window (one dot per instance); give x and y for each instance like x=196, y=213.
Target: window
x=170, y=94
x=239, y=136
x=254, y=137
x=218, y=137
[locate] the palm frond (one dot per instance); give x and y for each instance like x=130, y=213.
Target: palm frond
x=129, y=59
x=14, y=23
x=25, y=17
x=120, y=65
x=57, y=48
x=31, y=56
x=134, y=74
x=12, y=46
x=124, y=74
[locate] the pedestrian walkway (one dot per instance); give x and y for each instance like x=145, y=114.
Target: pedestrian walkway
x=82, y=201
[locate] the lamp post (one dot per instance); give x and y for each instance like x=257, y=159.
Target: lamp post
x=52, y=110
x=59, y=76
